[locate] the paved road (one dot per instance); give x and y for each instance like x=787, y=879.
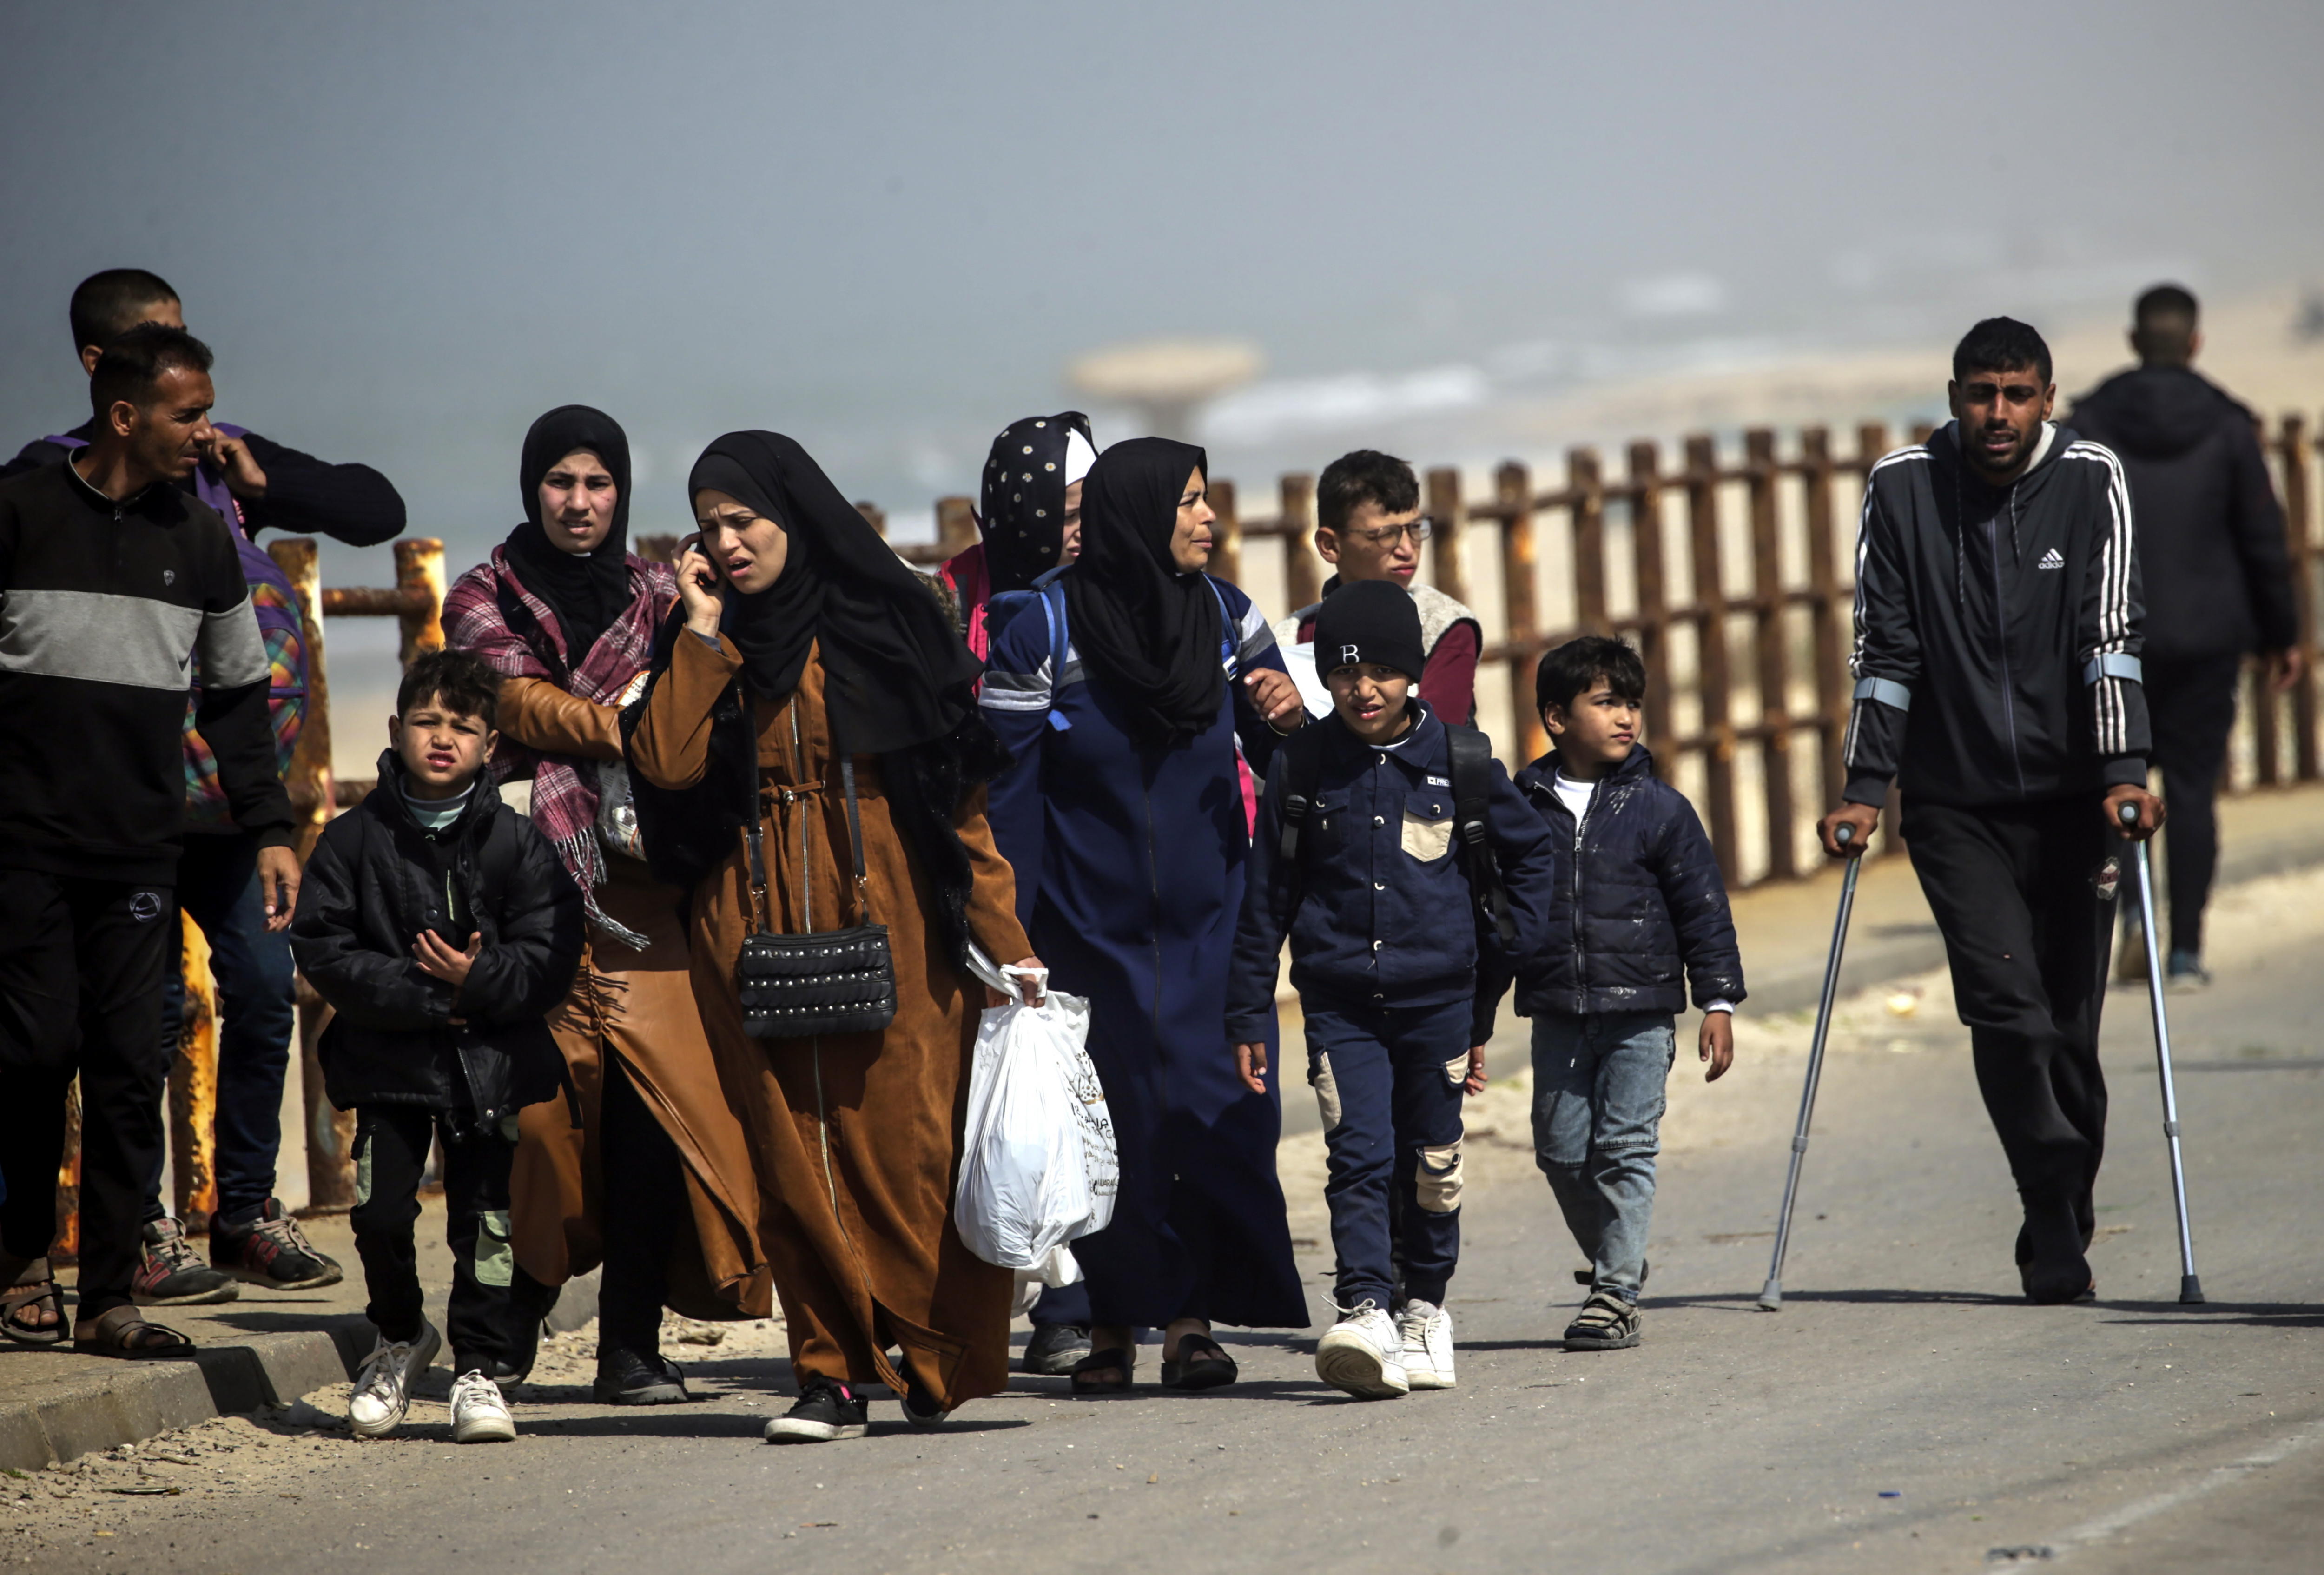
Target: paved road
x=2130, y=1434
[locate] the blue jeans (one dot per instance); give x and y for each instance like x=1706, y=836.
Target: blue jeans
x=218, y=885
x=1388, y=1081
x=1597, y=1102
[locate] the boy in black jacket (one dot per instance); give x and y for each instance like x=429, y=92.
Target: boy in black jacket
x=1641, y=910
x=1381, y=895
x=441, y=928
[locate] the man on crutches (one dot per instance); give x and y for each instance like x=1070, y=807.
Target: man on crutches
x=1997, y=682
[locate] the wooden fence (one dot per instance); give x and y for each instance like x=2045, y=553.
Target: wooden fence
x=1732, y=573
x=1730, y=570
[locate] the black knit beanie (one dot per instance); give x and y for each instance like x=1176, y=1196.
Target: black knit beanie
x=1369, y=621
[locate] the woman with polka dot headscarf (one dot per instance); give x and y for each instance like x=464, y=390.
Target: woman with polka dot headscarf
x=1031, y=520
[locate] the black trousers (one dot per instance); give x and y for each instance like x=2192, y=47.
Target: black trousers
x=82, y=964
x=2025, y=928
x=2192, y=707
x=645, y=1195
x=392, y=1144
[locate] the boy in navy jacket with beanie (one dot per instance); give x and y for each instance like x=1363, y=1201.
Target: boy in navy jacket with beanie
x=1381, y=897
x=1640, y=912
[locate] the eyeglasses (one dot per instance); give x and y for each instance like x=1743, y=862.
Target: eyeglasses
x=1420, y=530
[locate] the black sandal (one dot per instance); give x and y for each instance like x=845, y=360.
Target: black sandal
x=1085, y=1379
x=35, y=1287
x=1202, y=1364
x=122, y=1333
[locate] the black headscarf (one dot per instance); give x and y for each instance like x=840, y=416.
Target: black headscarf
x=586, y=590
x=1024, y=514
x=1150, y=631
x=896, y=675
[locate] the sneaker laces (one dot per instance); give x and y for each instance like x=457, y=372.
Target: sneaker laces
x=473, y=1386
x=283, y=1231
x=172, y=1250
x=379, y=1372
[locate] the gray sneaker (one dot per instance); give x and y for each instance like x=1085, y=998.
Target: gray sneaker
x=2184, y=972
x=1605, y=1323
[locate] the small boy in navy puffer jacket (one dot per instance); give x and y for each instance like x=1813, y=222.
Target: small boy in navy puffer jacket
x=1380, y=909
x=1641, y=910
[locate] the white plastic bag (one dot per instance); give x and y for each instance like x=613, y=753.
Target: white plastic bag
x=1038, y=1166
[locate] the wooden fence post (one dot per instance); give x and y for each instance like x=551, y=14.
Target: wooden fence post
x=1226, y=534
x=1589, y=541
x=873, y=516
x=955, y=525
x=1710, y=645
x=193, y=1087
x=1767, y=598
x=1871, y=443
x=1513, y=492
x=330, y=1134
x=1449, y=527
x=1654, y=599
x=420, y=568
x=2302, y=551
x=1831, y=683
x=1301, y=574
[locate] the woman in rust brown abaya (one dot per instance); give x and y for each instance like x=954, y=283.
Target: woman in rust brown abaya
x=797, y=617
x=644, y=1166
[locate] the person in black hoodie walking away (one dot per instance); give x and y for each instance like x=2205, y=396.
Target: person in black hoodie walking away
x=442, y=928
x=1640, y=914
x=2217, y=581
x=1996, y=666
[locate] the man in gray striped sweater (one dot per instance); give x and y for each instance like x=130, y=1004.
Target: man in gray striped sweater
x=111, y=581
x=1997, y=640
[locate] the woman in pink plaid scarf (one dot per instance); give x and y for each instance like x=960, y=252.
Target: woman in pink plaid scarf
x=648, y=1147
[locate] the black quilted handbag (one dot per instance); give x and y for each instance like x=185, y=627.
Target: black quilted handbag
x=820, y=981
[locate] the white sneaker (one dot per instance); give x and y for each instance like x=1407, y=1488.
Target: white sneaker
x=383, y=1390
x=1424, y=1331
x=1361, y=1354
x=479, y=1414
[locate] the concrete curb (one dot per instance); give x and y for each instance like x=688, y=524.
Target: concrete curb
x=73, y=1413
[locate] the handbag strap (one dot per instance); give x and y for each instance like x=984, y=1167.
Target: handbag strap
x=855, y=835
x=761, y=908
x=758, y=820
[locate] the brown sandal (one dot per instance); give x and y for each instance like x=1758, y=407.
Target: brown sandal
x=122, y=1333
x=34, y=1287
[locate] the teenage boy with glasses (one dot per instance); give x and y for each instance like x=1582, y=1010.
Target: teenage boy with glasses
x=1369, y=526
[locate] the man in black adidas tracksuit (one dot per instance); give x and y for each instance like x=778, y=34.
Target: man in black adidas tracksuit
x=111, y=581
x=1997, y=661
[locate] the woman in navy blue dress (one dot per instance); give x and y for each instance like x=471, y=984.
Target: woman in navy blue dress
x=1121, y=692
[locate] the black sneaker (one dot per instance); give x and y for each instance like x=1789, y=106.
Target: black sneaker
x=1605, y=1323
x=825, y=1411
x=170, y=1273
x=921, y=1410
x=271, y=1251
x=627, y=1378
x=1053, y=1350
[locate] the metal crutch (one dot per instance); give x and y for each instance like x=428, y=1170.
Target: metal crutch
x=2190, y=1288
x=1771, y=1299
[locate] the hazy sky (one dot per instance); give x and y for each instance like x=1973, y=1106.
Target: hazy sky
x=407, y=229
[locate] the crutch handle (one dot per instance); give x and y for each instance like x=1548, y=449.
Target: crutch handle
x=2127, y=814
x=1843, y=834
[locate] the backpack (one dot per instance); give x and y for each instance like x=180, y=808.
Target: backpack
x=1004, y=607
x=1301, y=758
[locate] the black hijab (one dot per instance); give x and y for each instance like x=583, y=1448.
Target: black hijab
x=1024, y=514
x=1152, y=632
x=586, y=590
x=896, y=675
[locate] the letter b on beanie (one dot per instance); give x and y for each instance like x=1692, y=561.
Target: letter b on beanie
x=1370, y=621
